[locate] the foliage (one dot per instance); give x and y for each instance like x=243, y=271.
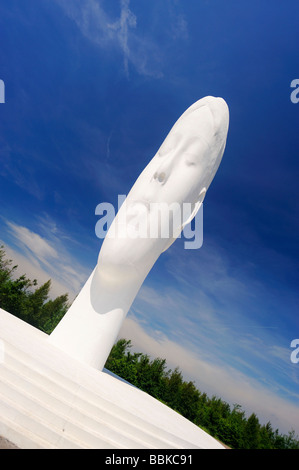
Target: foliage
x=226, y=423
x=23, y=298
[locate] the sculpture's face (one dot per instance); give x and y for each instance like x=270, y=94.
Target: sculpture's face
x=188, y=159
x=180, y=172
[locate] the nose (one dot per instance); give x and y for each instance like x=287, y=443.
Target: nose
x=162, y=173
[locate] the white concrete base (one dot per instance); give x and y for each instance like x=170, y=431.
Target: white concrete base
x=48, y=400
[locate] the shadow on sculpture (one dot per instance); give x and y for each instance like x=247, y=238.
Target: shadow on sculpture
x=178, y=175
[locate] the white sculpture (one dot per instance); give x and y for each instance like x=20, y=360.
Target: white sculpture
x=180, y=173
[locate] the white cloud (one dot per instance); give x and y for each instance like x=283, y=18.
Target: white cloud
x=138, y=49
x=178, y=23
x=37, y=245
x=90, y=18
x=34, y=271
x=121, y=27
x=99, y=28
x=42, y=258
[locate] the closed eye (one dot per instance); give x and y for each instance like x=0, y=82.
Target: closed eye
x=190, y=160
x=169, y=144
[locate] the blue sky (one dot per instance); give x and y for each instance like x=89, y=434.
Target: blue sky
x=92, y=87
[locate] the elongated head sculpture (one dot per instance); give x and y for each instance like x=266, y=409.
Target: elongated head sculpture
x=180, y=173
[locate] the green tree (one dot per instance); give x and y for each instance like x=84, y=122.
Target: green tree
x=21, y=297
x=252, y=432
x=291, y=440
x=13, y=295
x=266, y=437
x=150, y=375
x=34, y=303
x=213, y=414
x=121, y=362
x=173, y=384
x=237, y=422
x=117, y=352
x=189, y=400
x=52, y=312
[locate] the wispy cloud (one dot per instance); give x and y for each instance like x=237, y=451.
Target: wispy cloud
x=121, y=27
x=37, y=245
x=140, y=50
x=90, y=18
x=44, y=257
x=93, y=22
x=178, y=22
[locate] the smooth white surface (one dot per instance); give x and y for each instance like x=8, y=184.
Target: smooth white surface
x=180, y=173
x=50, y=400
